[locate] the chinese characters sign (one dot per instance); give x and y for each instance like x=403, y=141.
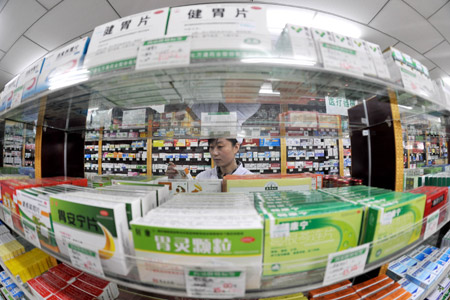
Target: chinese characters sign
x=338, y=105
x=346, y=264
x=217, y=17
x=215, y=284
x=115, y=45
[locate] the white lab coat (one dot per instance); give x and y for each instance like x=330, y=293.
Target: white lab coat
x=212, y=173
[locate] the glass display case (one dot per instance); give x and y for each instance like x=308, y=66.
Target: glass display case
x=308, y=104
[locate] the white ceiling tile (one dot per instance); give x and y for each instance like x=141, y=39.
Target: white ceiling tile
x=1, y=54
x=49, y=4
x=130, y=7
x=362, y=11
x=416, y=55
x=404, y=23
x=440, y=55
x=70, y=19
x=5, y=77
x=426, y=8
x=23, y=53
x=2, y=3
x=441, y=20
x=15, y=18
x=437, y=73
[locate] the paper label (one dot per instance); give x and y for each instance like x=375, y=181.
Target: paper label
x=432, y=224
x=346, y=264
x=217, y=17
x=338, y=105
x=215, y=284
x=340, y=58
x=163, y=52
x=133, y=118
x=8, y=217
x=31, y=233
x=85, y=259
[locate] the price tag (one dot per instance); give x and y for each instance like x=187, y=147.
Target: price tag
x=270, y=148
x=290, y=147
x=166, y=148
x=432, y=224
x=205, y=148
x=188, y=159
x=108, y=159
x=30, y=232
x=85, y=259
x=327, y=157
x=166, y=51
x=297, y=158
x=126, y=149
x=274, y=171
x=310, y=147
x=310, y=169
x=177, y=159
x=266, y=158
x=261, y=171
x=248, y=148
x=44, y=231
x=290, y=170
x=344, y=264
x=244, y=159
x=215, y=284
x=188, y=148
x=177, y=148
x=7, y=217
x=255, y=159
x=159, y=148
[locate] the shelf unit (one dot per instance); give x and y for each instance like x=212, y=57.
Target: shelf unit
x=271, y=286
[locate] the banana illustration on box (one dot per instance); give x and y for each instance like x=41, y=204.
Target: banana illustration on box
x=108, y=251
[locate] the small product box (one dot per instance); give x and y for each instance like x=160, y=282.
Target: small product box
x=102, y=284
x=384, y=292
x=433, y=267
x=71, y=292
x=397, y=271
x=65, y=272
x=297, y=42
x=369, y=283
x=330, y=289
x=373, y=289
x=91, y=290
x=422, y=277
x=342, y=294
x=412, y=288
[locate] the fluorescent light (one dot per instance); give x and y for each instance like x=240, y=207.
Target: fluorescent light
x=405, y=107
x=446, y=80
x=68, y=79
x=337, y=25
x=281, y=61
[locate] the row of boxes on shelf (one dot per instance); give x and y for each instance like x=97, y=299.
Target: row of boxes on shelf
x=307, y=142
x=331, y=163
x=180, y=143
x=279, y=218
x=309, y=119
x=171, y=155
x=49, y=280
x=161, y=168
x=63, y=282
x=437, y=179
x=380, y=287
x=121, y=166
x=121, y=146
x=425, y=270
x=122, y=155
x=313, y=153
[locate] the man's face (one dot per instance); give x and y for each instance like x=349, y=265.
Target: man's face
x=223, y=152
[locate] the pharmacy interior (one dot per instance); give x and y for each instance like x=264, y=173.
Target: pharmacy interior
x=346, y=140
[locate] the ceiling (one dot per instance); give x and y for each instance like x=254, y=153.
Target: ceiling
x=29, y=29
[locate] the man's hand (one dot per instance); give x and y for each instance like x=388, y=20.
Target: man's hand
x=171, y=171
